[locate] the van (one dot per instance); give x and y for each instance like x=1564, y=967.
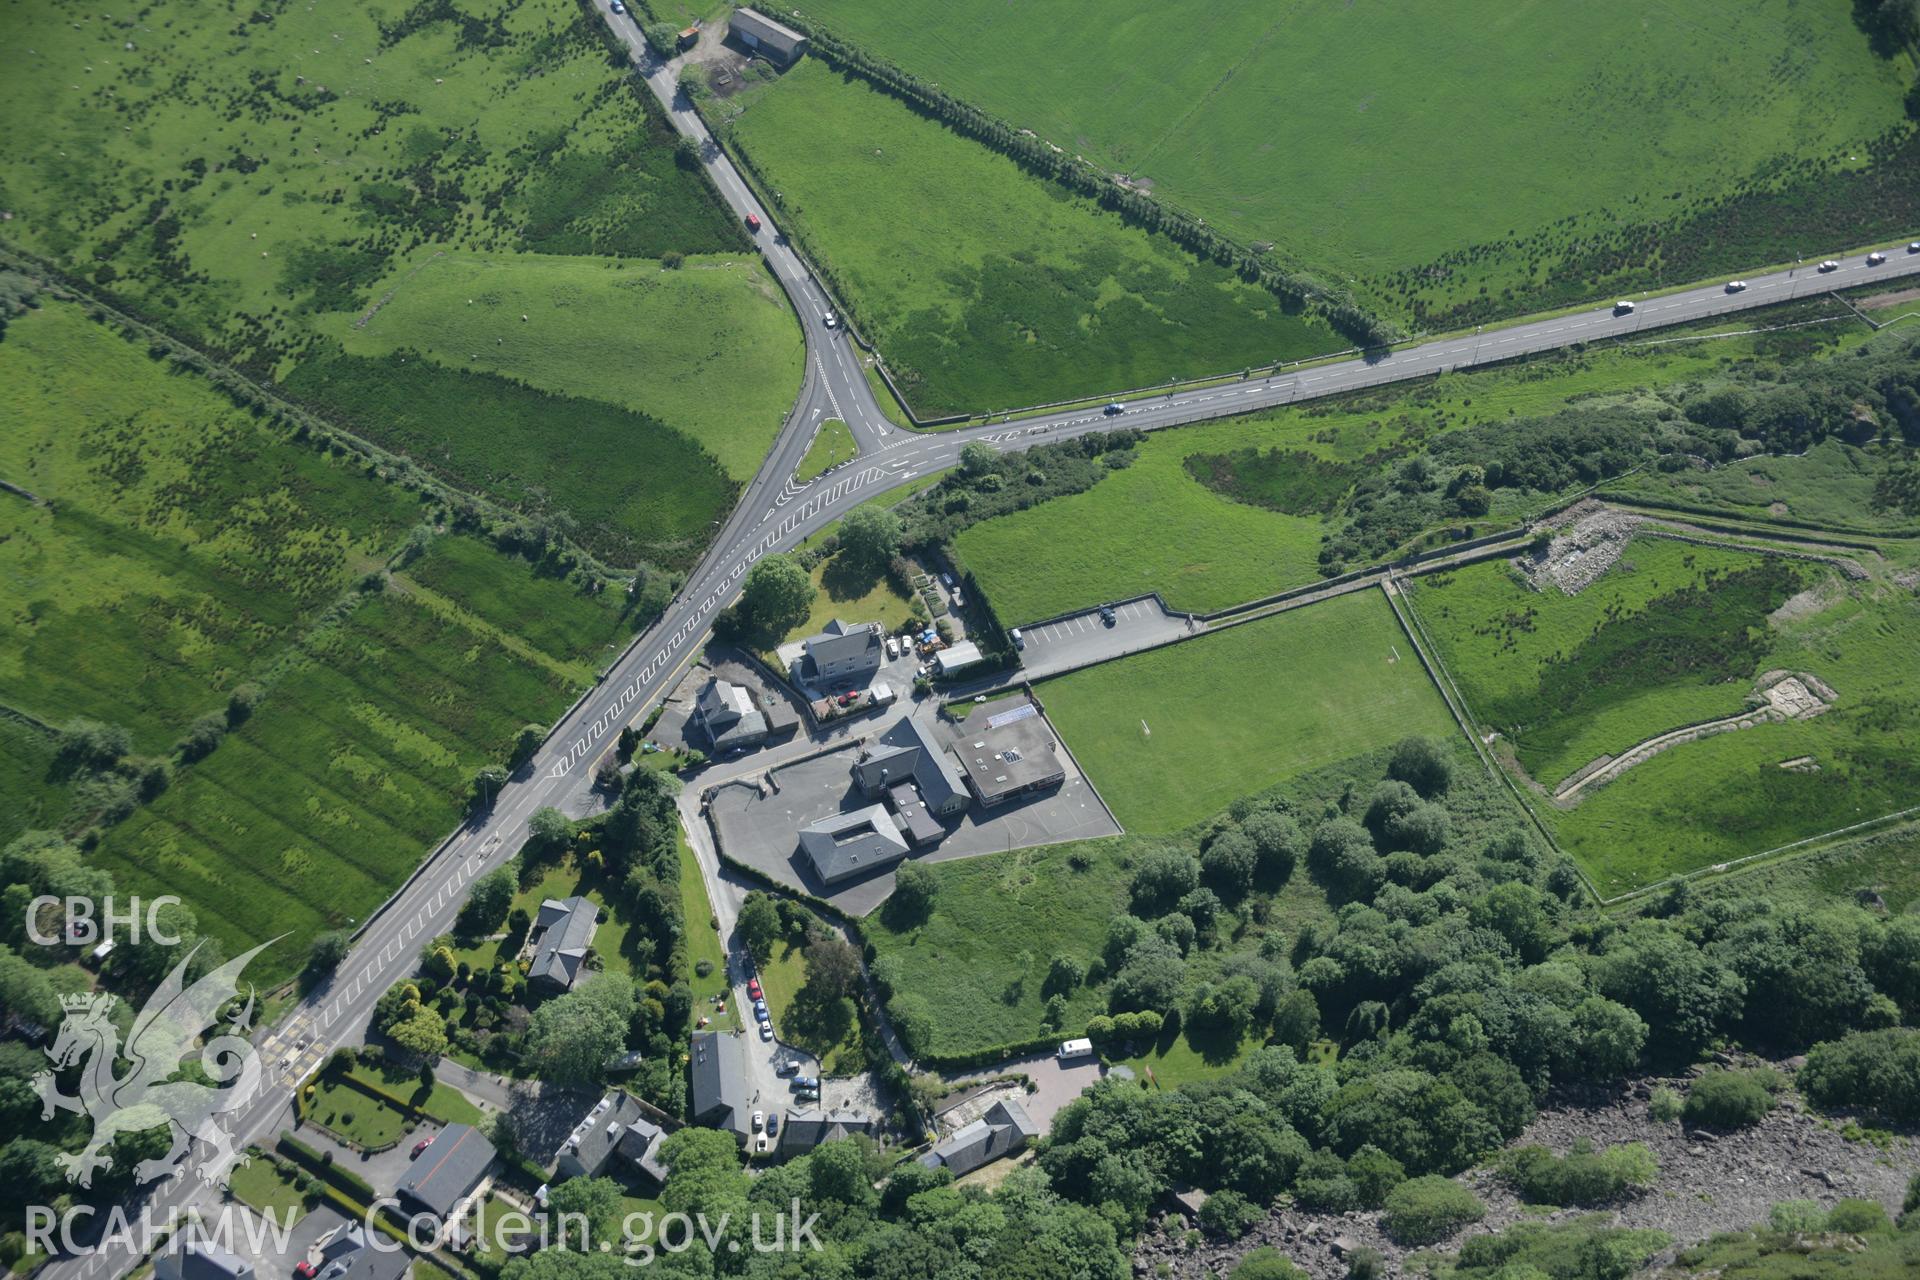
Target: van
x=893, y=647
x=1623, y=308
x=959, y=598
x=1019, y=642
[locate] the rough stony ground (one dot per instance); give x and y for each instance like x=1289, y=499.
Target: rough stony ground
x=1708, y=1183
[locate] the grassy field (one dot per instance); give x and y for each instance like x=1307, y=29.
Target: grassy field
x=277, y=187
x=355, y=1116
x=832, y=445
x=987, y=288
x=1887, y=865
x=1229, y=548
x=1643, y=651
x=36, y=795
x=1830, y=484
x=711, y=349
x=832, y=1035
x=511, y=600
x=180, y=546
x=1363, y=141
x=1659, y=641
x=1723, y=797
x=1232, y=714
x=359, y=760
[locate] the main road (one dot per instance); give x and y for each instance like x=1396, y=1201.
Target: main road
x=773, y=515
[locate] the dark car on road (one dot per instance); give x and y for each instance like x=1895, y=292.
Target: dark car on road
x=1107, y=615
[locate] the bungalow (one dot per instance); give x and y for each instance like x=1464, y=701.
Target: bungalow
x=447, y=1172
x=844, y=845
x=562, y=935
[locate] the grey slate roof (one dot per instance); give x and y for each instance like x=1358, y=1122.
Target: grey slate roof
x=842, y=845
x=910, y=749
x=844, y=650
x=727, y=712
x=566, y=926
x=617, y=1125
x=762, y=32
x=200, y=1260
x=1004, y=1129
x=720, y=1085
x=447, y=1172
x=349, y=1257
x=804, y=1130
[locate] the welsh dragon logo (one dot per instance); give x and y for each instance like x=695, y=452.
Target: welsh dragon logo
x=158, y=1086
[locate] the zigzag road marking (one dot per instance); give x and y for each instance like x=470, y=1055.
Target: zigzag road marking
x=616, y=711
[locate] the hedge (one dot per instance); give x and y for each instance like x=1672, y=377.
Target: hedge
x=326, y=1170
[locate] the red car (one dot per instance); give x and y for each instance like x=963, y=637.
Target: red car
x=753, y=222
x=303, y=1271
x=420, y=1146
x=753, y=989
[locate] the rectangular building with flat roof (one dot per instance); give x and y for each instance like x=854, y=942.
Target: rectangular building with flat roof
x=1008, y=754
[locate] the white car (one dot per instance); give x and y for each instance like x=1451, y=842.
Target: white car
x=1623, y=308
x=830, y=320
x=766, y=1031
x=1829, y=265
x=1913, y=246
x=1875, y=258
x=1736, y=286
x=759, y=1121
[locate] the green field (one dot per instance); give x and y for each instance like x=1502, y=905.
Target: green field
x=35, y=795
x=1429, y=150
x=987, y=288
x=832, y=445
x=357, y=763
x=1659, y=641
x=181, y=546
x=1228, y=715
x=1165, y=524
x=274, y=187
x=710, y=348
x=1830, y=484
x=1566, y=679
x=512, y=601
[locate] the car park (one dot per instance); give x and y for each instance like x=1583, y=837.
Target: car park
x=1829, y=265
x=1736, y=286
x=1876, y=258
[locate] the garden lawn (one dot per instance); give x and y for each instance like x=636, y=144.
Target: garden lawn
x=1159, y=526
x=1657, y=642
x=711, y=349
x=852, y=595
x=987, y=288
x=1231, y=714
x=261, y=1186
x=356, y=763
x=181, y=546
x=703, y=943
x=832, y=445
x=355, y=1116
x=1178, y=1060
x=1480, y=139
x=832, y=1034
x=443, y=1102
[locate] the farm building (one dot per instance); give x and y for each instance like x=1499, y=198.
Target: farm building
x=761, y=34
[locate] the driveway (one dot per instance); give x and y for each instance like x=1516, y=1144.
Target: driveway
x=1056, y=1083
x=1078, y=639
